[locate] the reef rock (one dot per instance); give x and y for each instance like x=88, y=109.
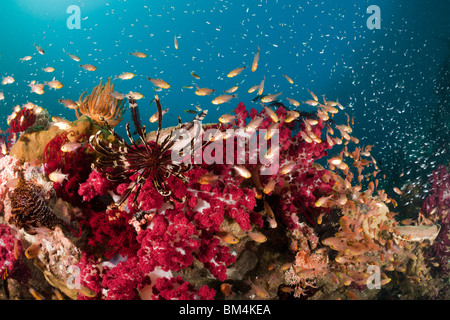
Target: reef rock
x=30, y=146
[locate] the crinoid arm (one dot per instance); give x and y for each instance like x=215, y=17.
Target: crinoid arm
x=120, y=160
x=101, y=104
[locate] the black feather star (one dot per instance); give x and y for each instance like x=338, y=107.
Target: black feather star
x=120, y=160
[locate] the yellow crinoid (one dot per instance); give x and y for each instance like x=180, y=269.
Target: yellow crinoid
x=100, y=104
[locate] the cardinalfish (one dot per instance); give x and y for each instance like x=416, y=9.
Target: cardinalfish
x=217, y=135
x=36, y=294
x=26, y=58
x=223, y=98
x=39, y=49
x=227, y=237
x=74, y=57
x=196, y=76
x=225, y=288
x=270, y=97
x=203, y=91
x=254, y=124
x=117, y=95
x=270, y=215
x=272, y=152
x=227, y=118
x=288, y=79
x=159, y=83
x=61, y=123
x=88, y=67
x=155, y=116
x=255, y=61
x=271, y=114
x=134, y=95
x=256, y=236
x=270, y=186
x=252, y=89
x=231, y=90
x=295, y=103
x=175, y=42
x=71, y=146
x=313, y=95
x=285, y=266
x=322, y=201
x=8, y=80
x=261, y=86
x=235, y=72
x=36, y=87
x=287, y=168
x=258, y=290
x=271, y=130
x=16, y=249
x=242, y=171
x=54, y=84
x=57, y=176
x=291, y=116
x=4, y=148
x=86, y=292
x=33, y=250
x=58, y=294
x=311, y=102
x=138, y=54
x=208, y=178
x=48, y=69
x=126, y=76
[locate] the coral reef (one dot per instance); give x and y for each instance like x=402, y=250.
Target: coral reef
x=272, y=204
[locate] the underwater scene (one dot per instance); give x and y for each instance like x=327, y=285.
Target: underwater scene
x=224, y=150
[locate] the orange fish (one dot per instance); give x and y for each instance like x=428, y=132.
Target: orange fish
x=227, y=237
x=175, y=42
x=258, y=290
x=33, y=250
x=243, y=172
x=208, y=178
x=257, y=236
x=255, y=61
x=268, y=188
x=226, y=289
x=16, y=249
x=322, y=201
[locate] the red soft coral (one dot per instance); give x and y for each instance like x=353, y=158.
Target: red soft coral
x=96, y=185
x=124, y=280
x=112, y=230
x=168, y=242
x=76, y=164
x=10, y=265
x=176, y=288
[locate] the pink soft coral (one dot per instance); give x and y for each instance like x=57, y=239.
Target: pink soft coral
x=124, y=280
x=11, y=249
x=96, y=185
